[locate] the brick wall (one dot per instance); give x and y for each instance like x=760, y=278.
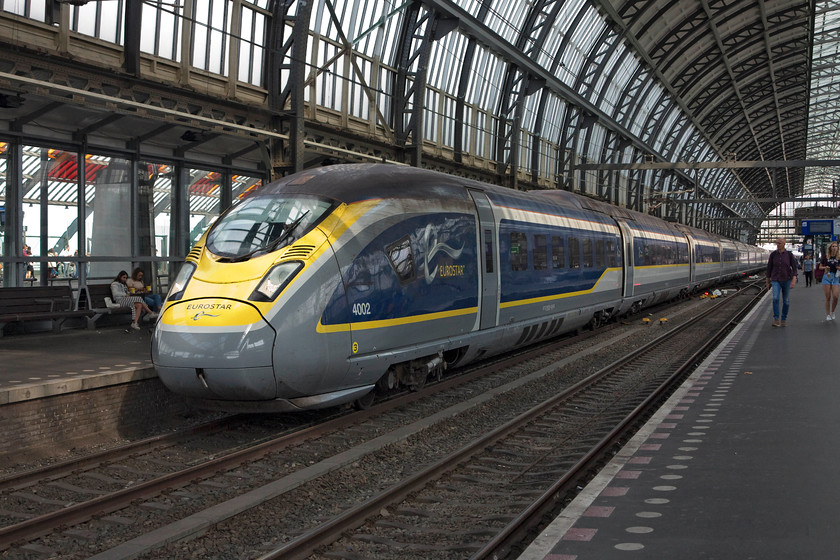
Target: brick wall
x=50, y=427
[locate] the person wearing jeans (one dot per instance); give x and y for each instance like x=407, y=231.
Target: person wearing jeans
x=781, y=274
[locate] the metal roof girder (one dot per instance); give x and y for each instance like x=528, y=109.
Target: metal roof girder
x=484, y=35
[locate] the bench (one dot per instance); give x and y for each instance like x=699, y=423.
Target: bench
x=97, y=299
x=38, y=303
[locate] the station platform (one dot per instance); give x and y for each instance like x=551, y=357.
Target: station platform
x=33, y=366
x=741, y=463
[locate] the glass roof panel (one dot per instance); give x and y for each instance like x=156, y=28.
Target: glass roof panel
x=507, y=18
x=565, y=19
x=823, y=121
x=446, y=60
x=487, y=77
x=824, y=111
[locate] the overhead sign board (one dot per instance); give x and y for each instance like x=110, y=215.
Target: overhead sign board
x=820, y=227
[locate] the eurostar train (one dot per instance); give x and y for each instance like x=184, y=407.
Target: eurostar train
x=334, y=284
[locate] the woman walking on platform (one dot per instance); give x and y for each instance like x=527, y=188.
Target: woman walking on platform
x=830, y=280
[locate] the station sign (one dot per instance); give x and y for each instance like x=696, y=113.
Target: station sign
x=820, y=227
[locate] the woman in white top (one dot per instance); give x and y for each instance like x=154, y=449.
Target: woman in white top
x=120, y=295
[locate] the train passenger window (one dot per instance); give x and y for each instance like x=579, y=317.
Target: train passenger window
x=599, y=253
x=683, y=250
x=488, y=250
x=639, y=252
x=574, y=253
x=558, y=253
x=540, y=252
x=402, y=259
x=587, y=253
x=518, y=251
x=612, y=254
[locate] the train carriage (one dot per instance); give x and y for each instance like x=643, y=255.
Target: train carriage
x=327, y=285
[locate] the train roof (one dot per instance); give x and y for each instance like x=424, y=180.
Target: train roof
x=355, y=182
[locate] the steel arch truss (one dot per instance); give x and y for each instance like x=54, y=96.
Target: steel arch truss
x=736, y=67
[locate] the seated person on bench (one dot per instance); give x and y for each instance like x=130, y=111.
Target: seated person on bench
x=154, y=301
x=120, y=295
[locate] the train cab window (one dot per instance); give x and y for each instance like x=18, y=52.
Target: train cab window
x=488, y=250
x=540, y=252
x=518, y=251
x=587, y=253
x=558, y=253
x=599, y=253
x=263, y=224
x=574, y=253
x=402, y=259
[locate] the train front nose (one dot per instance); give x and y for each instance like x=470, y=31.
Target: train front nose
x=214, y=348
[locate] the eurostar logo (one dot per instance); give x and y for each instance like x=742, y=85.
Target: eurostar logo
x=432, y=248
x=197, y=316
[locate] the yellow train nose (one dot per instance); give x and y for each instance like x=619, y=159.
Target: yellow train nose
x=211, y=312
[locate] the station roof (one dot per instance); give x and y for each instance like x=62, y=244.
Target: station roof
x=741, y=70
x=751, y=80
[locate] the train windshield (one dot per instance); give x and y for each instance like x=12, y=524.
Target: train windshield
x=261, y=224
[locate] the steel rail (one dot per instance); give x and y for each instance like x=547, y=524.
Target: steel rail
x=101, y=505
x=546, y=501
x=326, y=533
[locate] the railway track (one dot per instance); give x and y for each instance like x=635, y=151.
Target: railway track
x=289, y=466
x=535, y=460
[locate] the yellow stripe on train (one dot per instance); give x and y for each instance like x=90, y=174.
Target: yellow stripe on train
x=383, y=323
x=543, y=299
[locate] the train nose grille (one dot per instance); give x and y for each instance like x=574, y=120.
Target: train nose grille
x=299, y=251
x=195, y=254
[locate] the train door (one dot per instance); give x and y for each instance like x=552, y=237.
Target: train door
x=627, y=241
x=692, y=262
x=489, y=265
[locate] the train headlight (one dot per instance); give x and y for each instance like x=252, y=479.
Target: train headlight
x=180, y=284
x=276, y=279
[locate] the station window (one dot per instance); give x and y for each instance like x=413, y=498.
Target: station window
x=518, y=251
x=540, y=252
x=205, y=187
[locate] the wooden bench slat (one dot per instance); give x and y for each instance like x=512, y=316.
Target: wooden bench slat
x=38, y=303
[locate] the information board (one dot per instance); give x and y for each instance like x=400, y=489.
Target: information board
x=820, y=227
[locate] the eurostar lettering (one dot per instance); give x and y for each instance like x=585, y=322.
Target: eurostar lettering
x=207, y=306
x=451, y=270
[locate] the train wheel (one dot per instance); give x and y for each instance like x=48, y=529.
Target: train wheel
x=364, y=403
x=388, y=382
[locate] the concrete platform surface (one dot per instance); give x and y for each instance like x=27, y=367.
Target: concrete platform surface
x=742, y=463
x=37, y=365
